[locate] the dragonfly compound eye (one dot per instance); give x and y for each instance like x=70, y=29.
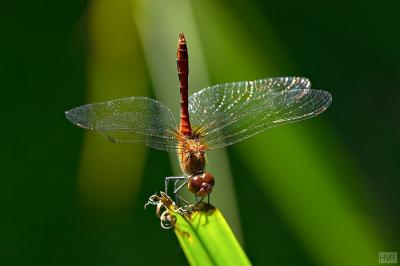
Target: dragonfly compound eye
x=201, y=184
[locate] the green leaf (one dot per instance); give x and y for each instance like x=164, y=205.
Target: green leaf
x=207, y=239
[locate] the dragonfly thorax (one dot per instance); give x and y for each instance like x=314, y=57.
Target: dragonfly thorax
x=192, y=156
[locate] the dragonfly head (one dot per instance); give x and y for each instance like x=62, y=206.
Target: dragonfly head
x=201, y=184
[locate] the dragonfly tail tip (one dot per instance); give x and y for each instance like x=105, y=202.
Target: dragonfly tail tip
x=181, y=37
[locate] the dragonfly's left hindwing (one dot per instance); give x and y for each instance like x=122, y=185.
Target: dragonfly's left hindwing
x=129, y=120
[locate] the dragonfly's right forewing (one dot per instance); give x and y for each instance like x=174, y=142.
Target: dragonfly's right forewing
x=228, y=113
x=129, y=120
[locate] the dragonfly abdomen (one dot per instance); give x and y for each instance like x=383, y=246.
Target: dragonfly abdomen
x=183, y=74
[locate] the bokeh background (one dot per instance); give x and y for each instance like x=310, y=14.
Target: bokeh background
x=321, y=192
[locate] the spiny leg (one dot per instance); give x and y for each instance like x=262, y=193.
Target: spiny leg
x=198, y=201
x=171, y=178
x=175, y=194
x=201, y=199
x=178, y=197
x=177, y=189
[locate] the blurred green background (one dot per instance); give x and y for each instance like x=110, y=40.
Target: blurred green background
x=321, y=192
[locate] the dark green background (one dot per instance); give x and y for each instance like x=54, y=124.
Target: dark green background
x=348, y=48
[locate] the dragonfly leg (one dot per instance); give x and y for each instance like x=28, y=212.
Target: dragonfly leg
x=198, y=201
x=201, y=199
x=171, y=178
x=175, y=194
x=183, y=200
x=208, y=198
x=178, y=188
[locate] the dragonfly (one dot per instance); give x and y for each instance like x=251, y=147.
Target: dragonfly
x=212, y=118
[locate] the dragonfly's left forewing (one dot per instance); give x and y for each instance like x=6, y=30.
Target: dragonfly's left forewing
x=228, y=113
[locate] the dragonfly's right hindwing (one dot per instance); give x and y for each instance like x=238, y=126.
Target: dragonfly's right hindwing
x=139, y=120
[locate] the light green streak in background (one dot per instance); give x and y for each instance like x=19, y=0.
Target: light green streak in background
x=297, y=168
x=159, y=23
x=110, y=174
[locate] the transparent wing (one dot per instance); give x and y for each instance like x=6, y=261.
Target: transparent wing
x=227, y=113
x=129, y=120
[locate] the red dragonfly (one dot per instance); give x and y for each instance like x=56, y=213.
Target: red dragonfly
x=214, y=117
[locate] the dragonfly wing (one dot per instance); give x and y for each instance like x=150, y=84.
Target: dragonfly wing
x=129, y=120
x=228, y=113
